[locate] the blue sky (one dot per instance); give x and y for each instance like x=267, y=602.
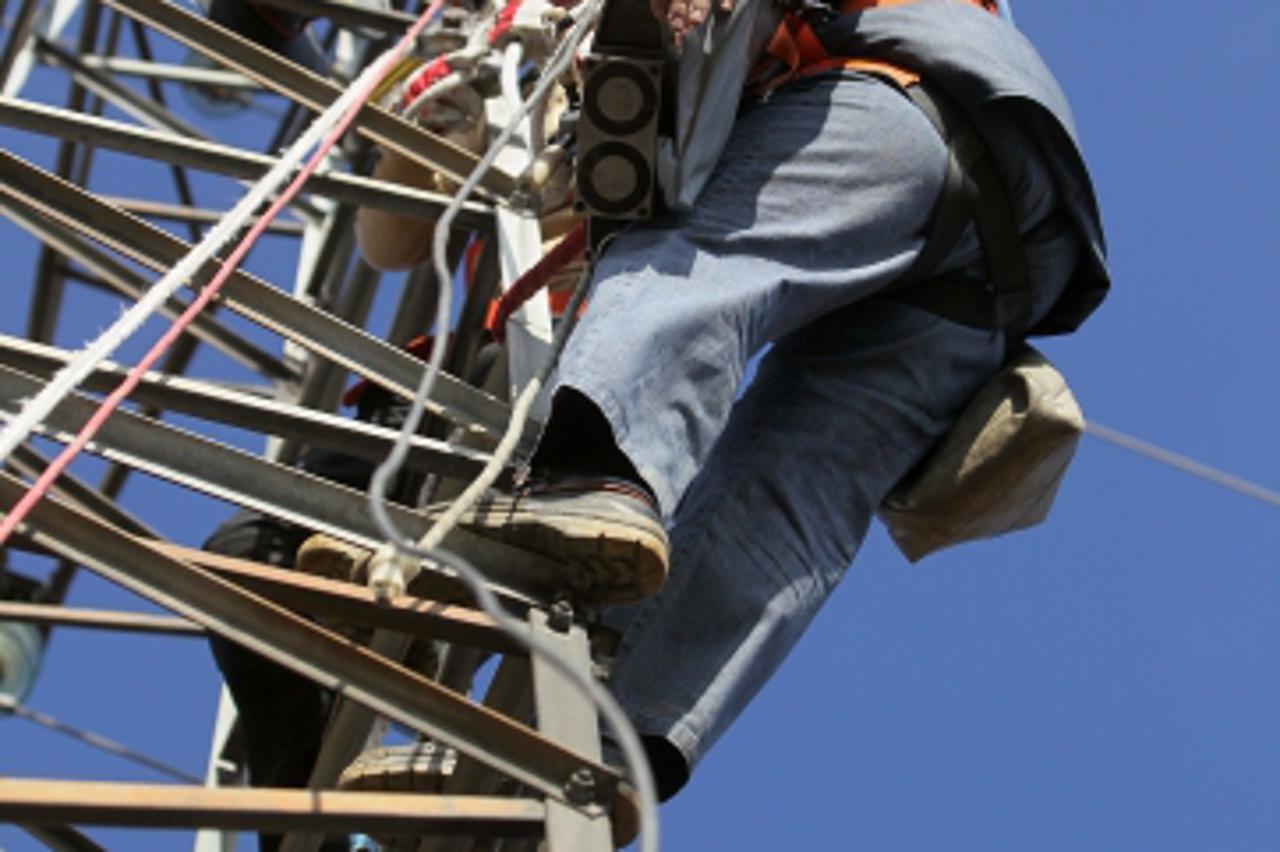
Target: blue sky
x=1108, y=681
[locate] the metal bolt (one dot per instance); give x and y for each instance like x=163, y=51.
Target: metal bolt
x=580, y=789
x=560, y=616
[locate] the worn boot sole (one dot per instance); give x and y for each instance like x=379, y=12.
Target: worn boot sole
x=322, y=555
x=416, y=768
x=604, y=547
x=598, y=547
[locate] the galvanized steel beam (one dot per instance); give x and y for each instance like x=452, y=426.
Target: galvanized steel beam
x=128, y=283
x=250, y=296
x=226, y=473
x=184, y=213
x=127, y=66
x=234, y=162
x=210, y=401
x=296, y=643
x=26, y=461
x=299, y=84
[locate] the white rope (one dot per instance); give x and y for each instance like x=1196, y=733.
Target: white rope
x=65, y=381
x=406, y=552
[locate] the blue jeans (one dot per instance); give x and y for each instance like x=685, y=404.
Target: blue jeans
x=822, y=198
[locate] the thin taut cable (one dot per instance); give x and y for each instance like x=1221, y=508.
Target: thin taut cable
x=1185, y=464
x=9, y=704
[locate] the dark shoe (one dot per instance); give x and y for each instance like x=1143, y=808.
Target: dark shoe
x=419, y=767
x=600, y=539
x=413, y=768
x=323, y=555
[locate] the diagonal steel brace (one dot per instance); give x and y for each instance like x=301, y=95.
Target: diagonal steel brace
x=246, y=294
x=268, y=629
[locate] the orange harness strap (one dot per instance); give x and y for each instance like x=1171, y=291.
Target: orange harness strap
x=796, y=51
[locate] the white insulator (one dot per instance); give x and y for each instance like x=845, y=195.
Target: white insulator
x=21, y=650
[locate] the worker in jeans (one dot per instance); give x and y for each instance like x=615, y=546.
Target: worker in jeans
x=822, y=200
x=731, y=517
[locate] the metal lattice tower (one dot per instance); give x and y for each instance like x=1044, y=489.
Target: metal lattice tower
x=528, y=763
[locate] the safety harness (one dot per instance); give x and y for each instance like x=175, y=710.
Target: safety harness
x=973, y=190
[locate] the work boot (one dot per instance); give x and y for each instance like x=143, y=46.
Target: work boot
x=603, y=534
x=599, y=538
x=323, y=555
x=420, y=767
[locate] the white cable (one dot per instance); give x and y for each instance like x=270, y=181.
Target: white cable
x=65, y=381
x=509, y=83
x=614, y=716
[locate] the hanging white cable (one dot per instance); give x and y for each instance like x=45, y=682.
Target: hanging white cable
x=65, y=381
x=614, y=716
x=1184, y=464
x=509, y=82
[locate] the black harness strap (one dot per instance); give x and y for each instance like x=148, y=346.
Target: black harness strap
x=973, y=191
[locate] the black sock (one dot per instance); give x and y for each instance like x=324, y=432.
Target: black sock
x=578, y=441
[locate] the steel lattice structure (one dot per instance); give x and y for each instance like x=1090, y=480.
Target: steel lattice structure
x=122, y=69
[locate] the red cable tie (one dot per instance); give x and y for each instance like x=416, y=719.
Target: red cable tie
x=471, y=260
x=430, y=74
x=570, y=246
x=502, y=25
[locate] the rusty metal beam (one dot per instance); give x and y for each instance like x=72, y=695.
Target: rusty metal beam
x=292, y=641
x=347, y=602
x=98, y=619
x=34, y=801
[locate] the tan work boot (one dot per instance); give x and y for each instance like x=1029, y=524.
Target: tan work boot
x=323, y=555
x=413, y=768
x=599, y=538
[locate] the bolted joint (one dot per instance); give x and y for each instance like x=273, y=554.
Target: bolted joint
x=560, y=616
x=581, y=789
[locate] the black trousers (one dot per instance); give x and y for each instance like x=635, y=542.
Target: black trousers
x=283, y=715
